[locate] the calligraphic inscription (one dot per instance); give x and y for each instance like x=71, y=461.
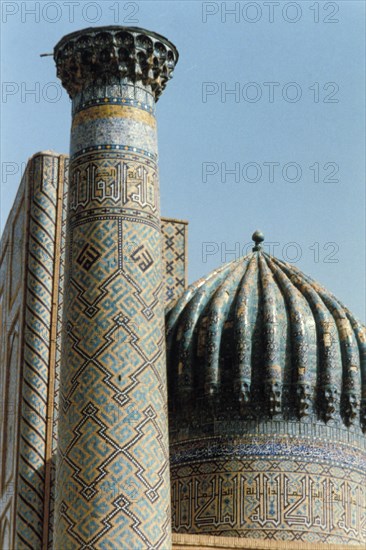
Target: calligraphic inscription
x=270, y=499
x=110, y=181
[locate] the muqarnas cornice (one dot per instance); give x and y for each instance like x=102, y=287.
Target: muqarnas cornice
x=114, y=53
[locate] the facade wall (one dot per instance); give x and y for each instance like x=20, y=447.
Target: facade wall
x=11, y=336
x=29, y=289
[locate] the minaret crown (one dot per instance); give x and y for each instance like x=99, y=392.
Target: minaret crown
x=105, y=54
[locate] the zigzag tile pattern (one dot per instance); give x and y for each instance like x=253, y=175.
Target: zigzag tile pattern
x=37, y=359
x=12, y=269
x=63, y=180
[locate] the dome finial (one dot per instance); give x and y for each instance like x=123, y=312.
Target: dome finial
x=258, y=238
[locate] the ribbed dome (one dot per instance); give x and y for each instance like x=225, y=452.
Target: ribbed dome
x=258, y=339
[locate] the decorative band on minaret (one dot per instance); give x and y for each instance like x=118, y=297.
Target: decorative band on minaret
x=113, y=466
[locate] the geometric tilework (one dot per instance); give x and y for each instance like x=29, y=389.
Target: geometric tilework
x=175, y=257
x=32, y=450
x=39, y=352
x=113, y=478
x=182, y=541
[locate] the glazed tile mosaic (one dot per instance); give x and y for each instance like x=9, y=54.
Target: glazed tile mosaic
x=265, y=370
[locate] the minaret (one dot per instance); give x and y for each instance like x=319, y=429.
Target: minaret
x=113, y=465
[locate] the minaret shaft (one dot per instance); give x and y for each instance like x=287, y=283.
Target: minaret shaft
x=113, y=474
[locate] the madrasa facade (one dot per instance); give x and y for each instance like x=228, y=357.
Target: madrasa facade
x=141, y=413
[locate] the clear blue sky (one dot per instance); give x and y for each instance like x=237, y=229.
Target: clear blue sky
x=304, y=64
